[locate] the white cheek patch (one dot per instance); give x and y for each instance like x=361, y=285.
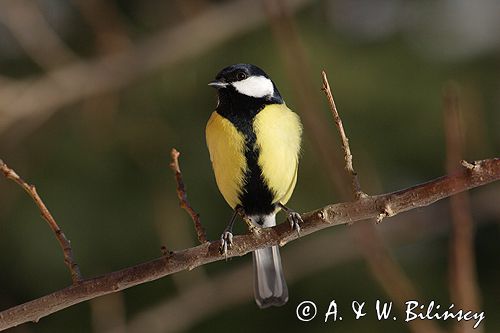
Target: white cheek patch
x=255, y=86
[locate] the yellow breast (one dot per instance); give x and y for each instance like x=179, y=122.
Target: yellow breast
x=278, y=131
x=226, y=147
x=278, y=136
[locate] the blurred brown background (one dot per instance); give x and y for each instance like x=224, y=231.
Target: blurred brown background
x=94, y=94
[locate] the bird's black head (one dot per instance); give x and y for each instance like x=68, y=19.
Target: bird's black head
x=245, y=81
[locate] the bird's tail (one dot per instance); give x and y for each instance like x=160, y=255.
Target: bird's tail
x=269, y=281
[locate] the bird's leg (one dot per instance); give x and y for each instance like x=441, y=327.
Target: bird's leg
x=226, y=239
x=240, y=211
x=293, y=217
x=251, y=227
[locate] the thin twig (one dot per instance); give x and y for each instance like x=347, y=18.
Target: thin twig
x=61, y=237
x=356, y=188
x=381, y=262
x=464, y=290
x=183, y=200
x=483, y=172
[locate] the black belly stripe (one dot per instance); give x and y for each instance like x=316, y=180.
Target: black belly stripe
x=256, y=197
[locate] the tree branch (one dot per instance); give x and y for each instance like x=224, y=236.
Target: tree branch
x=471, y=175
x=61, y=237
x=182, y=195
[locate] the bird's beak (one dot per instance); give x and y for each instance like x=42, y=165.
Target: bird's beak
x=217, y=84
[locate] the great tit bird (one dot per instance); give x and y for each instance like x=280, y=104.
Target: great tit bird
x=254, y=142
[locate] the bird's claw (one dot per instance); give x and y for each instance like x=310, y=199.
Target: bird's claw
x=295, y=219
x=226, y=240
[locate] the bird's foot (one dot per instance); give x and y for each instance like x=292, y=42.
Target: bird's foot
x=226, y=240
x=295, y=219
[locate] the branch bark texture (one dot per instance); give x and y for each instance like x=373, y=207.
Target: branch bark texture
x=471, y=175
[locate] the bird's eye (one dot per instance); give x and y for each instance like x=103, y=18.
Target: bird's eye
x=241, y=76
